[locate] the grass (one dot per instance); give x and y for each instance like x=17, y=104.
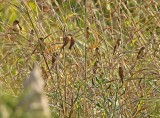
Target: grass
x=84, y=81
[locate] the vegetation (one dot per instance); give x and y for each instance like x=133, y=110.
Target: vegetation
x=99, y=58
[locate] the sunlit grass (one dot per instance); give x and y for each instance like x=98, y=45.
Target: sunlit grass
x=85, y=81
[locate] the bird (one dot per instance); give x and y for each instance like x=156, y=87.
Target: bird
x=140, y=52
x=87, y=33
x=42, y=44
x=31, y=35
x=54, y=58
x=97, y=51
x=121, y=74
x=16, y=26
x=72, y=42
x=46, y=8
x=116, y=45
x=66, y=40
x=32, y=32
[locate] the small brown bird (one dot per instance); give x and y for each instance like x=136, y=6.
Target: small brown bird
x=116, y=45
x=140, y=52
x=97, y=51
x=46, y=8
x=72, y=42
x=121, y=75
x=32, y=32
x=66, y=40
x=54, y=58
x=16, y=26
x=87, y=33
x=31, y=36
x=42, y=44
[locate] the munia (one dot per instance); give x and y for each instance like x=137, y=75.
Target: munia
x=54, y=58
x=42, y=44
x=140, y=53
x=16, y=26
x=116, y=45
x=68, y=39
x=121, y=74
x=72, y=42
x=87, y=33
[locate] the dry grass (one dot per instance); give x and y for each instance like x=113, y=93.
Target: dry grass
x=85, y=81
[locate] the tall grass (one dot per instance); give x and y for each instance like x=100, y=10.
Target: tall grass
x=85, y=81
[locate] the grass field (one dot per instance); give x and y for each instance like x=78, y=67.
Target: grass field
x=99, y=58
